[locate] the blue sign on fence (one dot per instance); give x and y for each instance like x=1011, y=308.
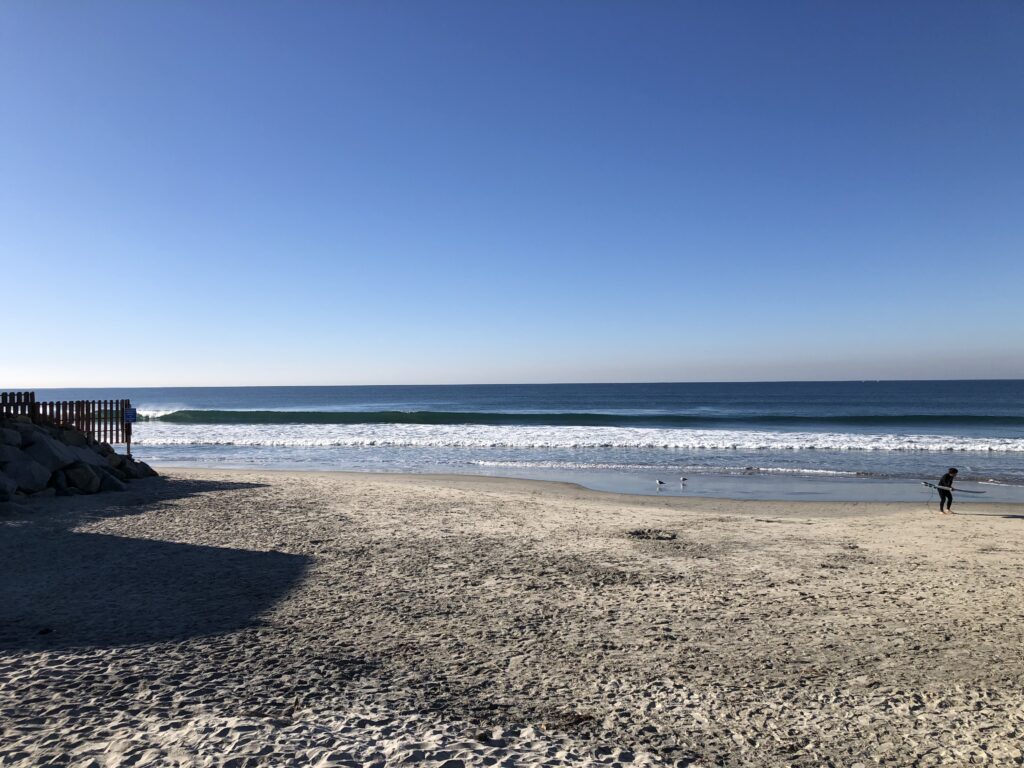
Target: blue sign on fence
x=130, y=416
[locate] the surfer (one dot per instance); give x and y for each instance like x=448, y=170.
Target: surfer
x=946, y=491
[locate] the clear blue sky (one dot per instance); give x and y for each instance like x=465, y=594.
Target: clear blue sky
x=433, y=192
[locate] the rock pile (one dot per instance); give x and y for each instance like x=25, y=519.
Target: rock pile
x=43, y=460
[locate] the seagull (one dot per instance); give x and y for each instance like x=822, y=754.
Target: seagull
x=660, y=483
x=682, y=480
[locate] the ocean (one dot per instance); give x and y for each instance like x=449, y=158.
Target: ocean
x=864, y=440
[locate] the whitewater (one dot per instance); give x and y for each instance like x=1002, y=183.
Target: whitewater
x=539, y=437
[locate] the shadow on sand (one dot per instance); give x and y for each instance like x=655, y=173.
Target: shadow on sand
x=60, y=588
x=990, y=514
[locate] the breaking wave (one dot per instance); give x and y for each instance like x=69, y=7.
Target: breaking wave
x=565, y=419
x=547, y=436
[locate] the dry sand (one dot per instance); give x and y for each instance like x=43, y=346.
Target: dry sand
x=273, y=618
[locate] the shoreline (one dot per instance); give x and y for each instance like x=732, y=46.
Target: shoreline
x=736, y=488
x=339, y=618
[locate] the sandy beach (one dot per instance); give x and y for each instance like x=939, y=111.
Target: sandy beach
x=248, y=618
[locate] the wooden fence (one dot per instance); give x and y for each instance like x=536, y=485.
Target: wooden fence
x=102, y=420
x=17, y=403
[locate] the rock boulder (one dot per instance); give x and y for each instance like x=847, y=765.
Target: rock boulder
x=7, y=485
x=59, y=483
x=51, y=453
x=26, y=432
x=136, y=470
x=83, y=477
x=10, y=453
x=110, y=482
x=74, y=437
x=31, y=476
x=88, y=456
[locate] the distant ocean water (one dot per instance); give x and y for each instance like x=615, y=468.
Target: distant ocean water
x=728, y=439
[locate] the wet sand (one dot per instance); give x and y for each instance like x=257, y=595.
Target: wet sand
x=325, y=619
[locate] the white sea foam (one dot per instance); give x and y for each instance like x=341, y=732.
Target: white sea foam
x=485, y=436
x=796, y=471
x=154, y=412
x=554, y=464
x=586, y=465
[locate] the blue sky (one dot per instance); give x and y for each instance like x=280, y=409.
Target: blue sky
x=380, y=192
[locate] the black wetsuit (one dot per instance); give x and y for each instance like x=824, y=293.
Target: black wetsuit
x=945, y=497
